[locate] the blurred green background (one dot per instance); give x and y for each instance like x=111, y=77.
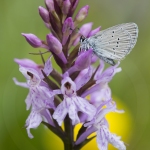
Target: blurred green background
x=130, y=87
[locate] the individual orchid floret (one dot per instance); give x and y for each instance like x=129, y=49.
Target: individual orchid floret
x=39, y=97
x=108, y=74
x=102, y=78
x=104, y=136
x=84, y=30
x=27, y=63
x=81, y=15
x=83, y=61
x=93, y=32
x=72, y=104
x=44, y=14
x=50, y=5
x=68, y=26
x=34, y=41
x=56, y=47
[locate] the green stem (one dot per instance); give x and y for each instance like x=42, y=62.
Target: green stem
x=68, y=144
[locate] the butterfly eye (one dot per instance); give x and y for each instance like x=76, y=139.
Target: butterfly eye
x=82, y=38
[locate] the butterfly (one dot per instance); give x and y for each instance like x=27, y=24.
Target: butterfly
x=113, y=43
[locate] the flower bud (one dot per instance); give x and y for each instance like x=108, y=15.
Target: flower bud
x=75, y=4
x=33, y=40
x=67, y=29
x=56, y=47
x=93, y=32
x=81, y=15
x=44, y=14
x=84, y=30
x=66, y=6
x=50, y=5
x=54, y=44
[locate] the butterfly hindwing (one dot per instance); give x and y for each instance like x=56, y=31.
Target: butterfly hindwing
x=116, y=42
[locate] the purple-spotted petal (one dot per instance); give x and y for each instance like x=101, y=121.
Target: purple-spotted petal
x=101, y=140
x=104, y=136
x=72, y=111
x=72, y=105
x=115, y=140
x=33, y=121
x=42, y=98
x=28, y=101
x=85, y=107
x=60, y=112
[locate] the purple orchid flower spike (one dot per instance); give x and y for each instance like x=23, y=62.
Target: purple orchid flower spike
x=72, y=104
x=79, y=91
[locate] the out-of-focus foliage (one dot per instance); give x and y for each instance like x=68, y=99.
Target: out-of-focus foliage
x=131, y=86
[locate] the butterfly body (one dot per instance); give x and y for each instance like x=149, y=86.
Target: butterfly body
x=113, y=43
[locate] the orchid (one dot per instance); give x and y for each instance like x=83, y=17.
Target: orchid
x=57, y=97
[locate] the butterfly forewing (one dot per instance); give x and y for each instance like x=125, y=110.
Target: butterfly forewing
x=116, y=42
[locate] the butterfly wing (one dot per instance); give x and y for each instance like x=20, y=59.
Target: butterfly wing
x=115, y=42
